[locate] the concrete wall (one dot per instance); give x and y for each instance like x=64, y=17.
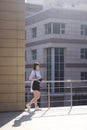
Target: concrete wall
x=12, y=55
x=72, y=56
x=72, y=30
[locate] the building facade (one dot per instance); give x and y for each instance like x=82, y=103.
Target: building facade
x=57, y=38
x=12, y=55
x=32, y=8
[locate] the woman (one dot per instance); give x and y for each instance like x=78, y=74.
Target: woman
x=35, y=76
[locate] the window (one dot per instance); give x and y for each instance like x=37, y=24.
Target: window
x=58, y=28
x=49, y=64
x=83, y=75
x=83, y=53
x=59, y=69
x=55, y=60
x=48, y=28
x=34, y=54
x=84, y=30
x=34, y=32
x=55, y=28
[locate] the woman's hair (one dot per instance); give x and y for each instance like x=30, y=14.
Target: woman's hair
x=35, y=64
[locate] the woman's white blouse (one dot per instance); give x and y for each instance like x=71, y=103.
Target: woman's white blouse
x=35, y=74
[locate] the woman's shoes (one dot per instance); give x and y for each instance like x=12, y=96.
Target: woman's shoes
x=36, y=108
x=28, y=107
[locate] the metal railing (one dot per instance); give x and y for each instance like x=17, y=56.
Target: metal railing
x=73, y=94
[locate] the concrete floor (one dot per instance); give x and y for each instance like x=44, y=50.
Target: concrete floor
x=61, y=118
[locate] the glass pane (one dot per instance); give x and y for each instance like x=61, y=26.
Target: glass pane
x=57, y=66
x=57, y=74
x=62, y=31
x=82, y=56
x=61, y=87
x=86, y=27
x=49, y=64
x=61, y=51
x=85, y=75
x=56, y=28
x=82, y=32
x=82, y=27
x=61, y=58
x=48, y=28
x=63, y=26
x=82, y=50
x=86, y=53
x=62, y=66
x=61, y=73
x=57, y=59
x=82, y=74
x=34, y=54
x=57, y=51
x=61, y=78
x=85, y=32
x=57, y=78
x=34, y=32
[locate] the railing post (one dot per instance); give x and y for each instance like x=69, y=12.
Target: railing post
x=48, y=95
x=71, y=94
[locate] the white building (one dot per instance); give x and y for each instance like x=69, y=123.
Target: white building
x=57, y=38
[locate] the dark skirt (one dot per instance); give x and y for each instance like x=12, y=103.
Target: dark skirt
x=36, y=86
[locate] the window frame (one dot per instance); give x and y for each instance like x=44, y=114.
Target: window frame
x=83, y=29
x=34, y=54
x=83, y=52
x=34, y=32
x=83, y=75
x=55, y=28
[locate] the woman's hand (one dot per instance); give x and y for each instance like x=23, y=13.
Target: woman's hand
x=38, y=79
x=31, y=79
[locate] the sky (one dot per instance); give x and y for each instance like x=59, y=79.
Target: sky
x=60, y=1
x=36, y=1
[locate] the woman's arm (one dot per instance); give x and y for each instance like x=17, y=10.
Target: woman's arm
x=32, y=79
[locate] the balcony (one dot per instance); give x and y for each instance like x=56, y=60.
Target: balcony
x=71, y=116
x=60, y=93
x=62, y=118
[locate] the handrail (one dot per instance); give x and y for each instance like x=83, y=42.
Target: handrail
x=58, y=81
x=70, y=86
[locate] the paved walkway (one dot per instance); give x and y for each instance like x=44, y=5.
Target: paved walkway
x=62, y=118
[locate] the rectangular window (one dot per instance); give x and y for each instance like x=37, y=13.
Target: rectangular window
x=34, y=54
x=83, y=53
x=49, y=64
x=58, y=72
x=58, y=28
x=55, y=28
x=34, y=32
x=84, y=30
x=59, y=69
x=83, y=75
x=48, y=28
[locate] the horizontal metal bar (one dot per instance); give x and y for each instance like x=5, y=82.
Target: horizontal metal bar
x=59, y=81
x=63, y=101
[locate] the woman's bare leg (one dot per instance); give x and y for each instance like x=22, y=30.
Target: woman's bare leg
x=36, y=97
